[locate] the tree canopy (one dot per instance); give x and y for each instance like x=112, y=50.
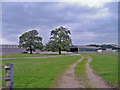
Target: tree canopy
x=31, y=41
x=59, y=40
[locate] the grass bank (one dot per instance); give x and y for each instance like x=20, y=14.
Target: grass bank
x=107, y=67
x=39, y=73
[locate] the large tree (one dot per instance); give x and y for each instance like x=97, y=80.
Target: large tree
x=60, y=39
x=51, y=46
x=31, y=41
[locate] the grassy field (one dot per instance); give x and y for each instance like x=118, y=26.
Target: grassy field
x=39, y=73
x=107, y=66
x=28, y=55
x=0, y=73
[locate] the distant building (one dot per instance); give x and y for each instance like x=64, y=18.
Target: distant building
x=108, y=48
x=11, y=49
x=87, y=49
x=79, y=48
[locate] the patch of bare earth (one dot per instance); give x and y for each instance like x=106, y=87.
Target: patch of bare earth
x=95, y=81
x=67, y=79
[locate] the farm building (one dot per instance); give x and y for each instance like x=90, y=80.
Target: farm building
x=10, y=49
x=79, y=48
x=107, y=48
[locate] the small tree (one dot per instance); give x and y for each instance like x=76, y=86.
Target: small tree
x=30, y=41
x=60, y=39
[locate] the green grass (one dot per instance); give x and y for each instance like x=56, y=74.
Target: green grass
x=107, y=67
x=39, y=73
x=80, y=72
x=0, y=73
x=28, y=55
x=80, y=68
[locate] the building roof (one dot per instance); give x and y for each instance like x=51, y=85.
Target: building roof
x=81, y=46
x=8, y=46
x=109, y=46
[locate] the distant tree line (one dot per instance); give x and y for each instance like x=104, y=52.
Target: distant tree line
x=60, y=40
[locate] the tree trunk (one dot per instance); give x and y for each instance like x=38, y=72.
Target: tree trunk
x=59, y=50
x=30, y=50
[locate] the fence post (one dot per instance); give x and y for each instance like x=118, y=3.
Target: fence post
x=7, y=71
x=9, y=75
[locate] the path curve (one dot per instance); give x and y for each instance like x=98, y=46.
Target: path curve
x=68, y=79
x=31, y=57
x=95, y=81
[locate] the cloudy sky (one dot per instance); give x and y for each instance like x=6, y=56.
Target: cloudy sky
x=89, y=22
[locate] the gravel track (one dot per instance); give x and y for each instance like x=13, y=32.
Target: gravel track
x=95, y=81
x=67, y=79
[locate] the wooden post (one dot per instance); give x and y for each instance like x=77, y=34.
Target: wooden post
x=9, y=75
x=7, y=71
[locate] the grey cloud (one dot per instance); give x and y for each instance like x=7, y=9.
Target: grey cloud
x=20, y=17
